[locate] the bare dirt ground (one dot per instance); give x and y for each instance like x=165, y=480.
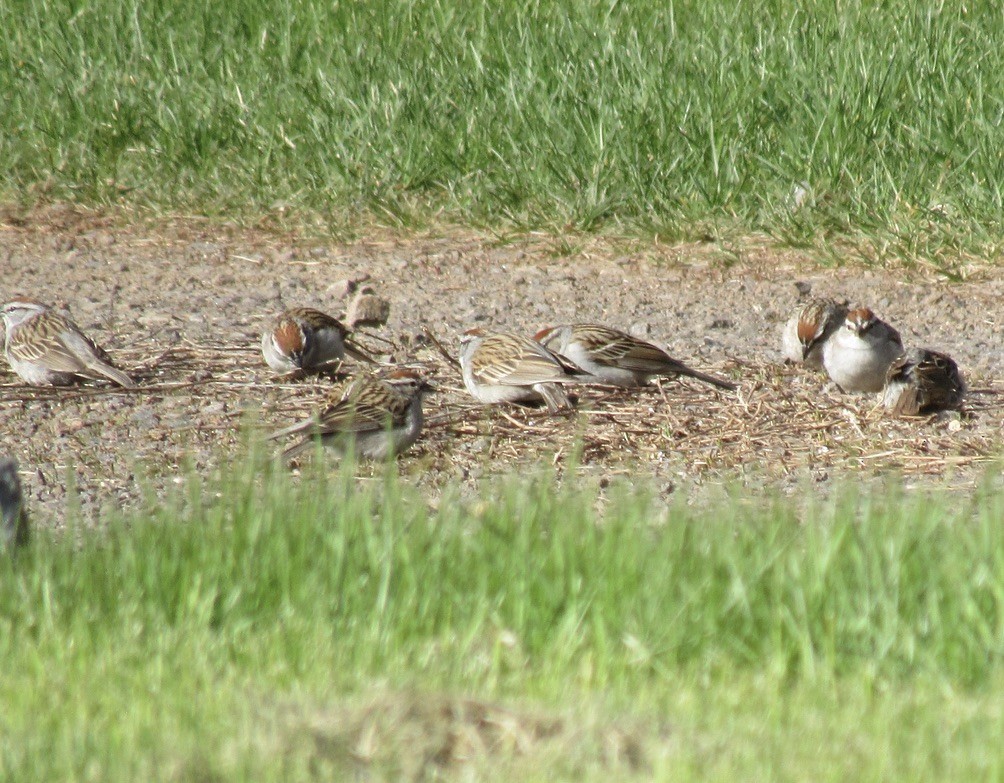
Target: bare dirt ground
x=181, y=304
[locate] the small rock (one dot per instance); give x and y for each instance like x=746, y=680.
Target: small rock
x=340, y=289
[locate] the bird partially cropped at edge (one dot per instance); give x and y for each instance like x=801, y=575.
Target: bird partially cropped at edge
x=13, y=514
x=618, y=358
x=377, y=416
x=46, y=348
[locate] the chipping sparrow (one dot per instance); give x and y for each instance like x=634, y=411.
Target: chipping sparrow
x=858, y=355
x=380, y=415
x=45, y=348
x=506, y=367
x=367, y=309
x=13, y=516
x=303, y=338
x=617, y=358
x=923, y=381
x=808, y=329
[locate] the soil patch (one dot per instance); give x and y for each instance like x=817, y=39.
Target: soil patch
x=181, y=306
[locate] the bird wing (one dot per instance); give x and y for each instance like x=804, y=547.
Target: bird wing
x=945, y=386
x=525, y=362
x=625, y=352
x=316, y=319
x=43, y=340
x=636, y=355
x=907, y=402
x=58, y=344
x=368, y=404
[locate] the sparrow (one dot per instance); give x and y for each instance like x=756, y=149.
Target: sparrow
x=617, y=358
x=367, y=308
x=507, y=367
x=13, y=516
x=808, y=329
x=858, y=355
x=379, y=415
x=303, y=338
x=45, y=348
x=923, y=381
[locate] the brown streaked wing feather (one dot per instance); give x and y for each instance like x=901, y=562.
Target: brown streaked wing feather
x=946, y=387
x=532, y=362
x=381, y=406
x=631, y=353
x=317, y=319
x=320, y=320
x=638, y=356
x=38, y=341
x=613, y=348
x=907, y=404
x=617, y=349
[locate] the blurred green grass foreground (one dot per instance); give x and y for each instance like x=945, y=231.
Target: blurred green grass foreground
x=253, y=628
x=662, y=118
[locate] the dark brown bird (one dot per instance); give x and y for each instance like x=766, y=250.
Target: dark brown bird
x=13, y=515
x=923, y=381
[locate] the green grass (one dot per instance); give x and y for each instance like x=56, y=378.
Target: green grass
x=244, y=632
x=676, y=118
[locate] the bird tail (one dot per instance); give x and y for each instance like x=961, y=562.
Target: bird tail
x=115, y=375
x=700, y=376
x=554, y=396
x=298, y=448
x=300, y=426
x=352, y=349
x=901, y=399
x=310, y=429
